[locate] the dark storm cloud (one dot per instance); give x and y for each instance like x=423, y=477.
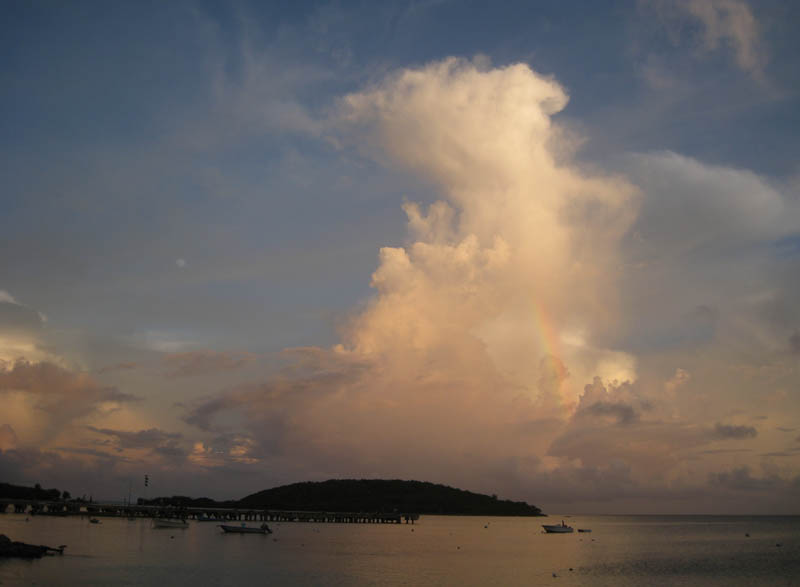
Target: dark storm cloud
x=622, y=412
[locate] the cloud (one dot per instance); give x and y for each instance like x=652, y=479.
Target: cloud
x=6, y=297
x=734, y=432
x=194, y=363
x=150, y=438
x=794, y=342
x=498, y=351
x=616, y=403
x=690, y=205
x=225, y=450
x=490, y=349
x=23, y=332
x=678, y=380
x=731, y=22
x=701, y=267
x=156, y=441
x=8, y=438
x=482, y=329
x=52, y=396
x=18, y=317
x=710, y=24
x=486, y=141
x=126, y=366
x=624, y=413
x=740, y=479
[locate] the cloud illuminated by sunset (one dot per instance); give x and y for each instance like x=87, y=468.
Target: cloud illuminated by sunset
x=561, y=270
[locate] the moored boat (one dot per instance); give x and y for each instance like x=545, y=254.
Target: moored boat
x=9, y=548
x=244, y=529
x=561, y=528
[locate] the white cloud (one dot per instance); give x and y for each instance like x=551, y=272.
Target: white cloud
x=689, y=204
x=7, y=297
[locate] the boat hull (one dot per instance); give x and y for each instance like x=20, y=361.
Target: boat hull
x=557, y=529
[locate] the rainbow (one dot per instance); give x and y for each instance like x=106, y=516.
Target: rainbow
x=550, y=341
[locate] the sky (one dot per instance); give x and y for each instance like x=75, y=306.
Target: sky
x=544, y=250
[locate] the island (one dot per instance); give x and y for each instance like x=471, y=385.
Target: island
x=366, y=495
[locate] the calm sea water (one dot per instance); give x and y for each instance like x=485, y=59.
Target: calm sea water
x=437, y=550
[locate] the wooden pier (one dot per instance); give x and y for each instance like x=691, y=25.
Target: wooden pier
x=97, y=509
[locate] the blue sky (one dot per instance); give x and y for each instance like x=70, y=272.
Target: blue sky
x=191, y=189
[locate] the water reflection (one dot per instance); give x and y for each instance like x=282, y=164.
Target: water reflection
x=621, y=550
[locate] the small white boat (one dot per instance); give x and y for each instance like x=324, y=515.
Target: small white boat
x=166, y=523
x=561, y=528
x=244, y=529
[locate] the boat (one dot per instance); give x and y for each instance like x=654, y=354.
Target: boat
x=9, y=548
x=561, y=528
x=205, y=518
x=244, y=529
x=167, y=523
x=584, y=529
x=94, y=521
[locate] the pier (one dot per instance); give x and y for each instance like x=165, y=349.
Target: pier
x=99, y=509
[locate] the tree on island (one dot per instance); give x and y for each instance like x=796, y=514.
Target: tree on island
x=382, y=495
x=9, y=491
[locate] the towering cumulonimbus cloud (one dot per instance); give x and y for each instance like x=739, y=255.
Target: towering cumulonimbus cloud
x=480, y=338
x=520, y=255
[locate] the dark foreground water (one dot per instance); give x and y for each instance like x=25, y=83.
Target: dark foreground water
x=437, y=550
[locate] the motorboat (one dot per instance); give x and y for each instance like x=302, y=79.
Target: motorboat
x=584, y=529
x=168, y=523
x=245, y=529
x=561, y=528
